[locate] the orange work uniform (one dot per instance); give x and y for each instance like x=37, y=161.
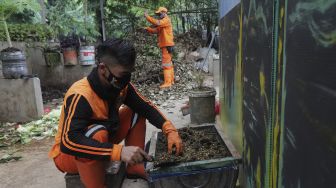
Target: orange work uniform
x=93, y=122
x=163, y=28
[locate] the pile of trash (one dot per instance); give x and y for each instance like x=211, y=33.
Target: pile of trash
x=12, y=133
x=149, y=75
x=189, y=41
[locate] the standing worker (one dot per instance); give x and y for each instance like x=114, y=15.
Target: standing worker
x=163, y=28
x=100, y=111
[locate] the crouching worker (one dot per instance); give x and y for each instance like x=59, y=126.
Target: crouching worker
x=100, y=111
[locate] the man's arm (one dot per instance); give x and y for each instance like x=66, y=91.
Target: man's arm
x=77, y=114
x=144, y=107
x=158, y=23
x=148, y=110
x=152, y=30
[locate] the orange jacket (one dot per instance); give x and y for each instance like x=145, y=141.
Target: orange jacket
x=164, y=30
x=100, y=112
x=85, y=104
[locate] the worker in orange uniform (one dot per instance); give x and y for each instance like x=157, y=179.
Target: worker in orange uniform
x=163, y=28
x=100, y=111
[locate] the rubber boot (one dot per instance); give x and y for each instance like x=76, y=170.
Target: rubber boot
x=172, y=76
x=167, y=78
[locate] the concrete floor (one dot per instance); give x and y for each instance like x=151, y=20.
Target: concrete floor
x=35, y=170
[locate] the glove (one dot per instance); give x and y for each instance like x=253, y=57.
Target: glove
x=146, y=29
x=116, y=152
x=173, y=137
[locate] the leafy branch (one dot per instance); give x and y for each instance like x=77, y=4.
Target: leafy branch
x=72, y=17
x=7, y=8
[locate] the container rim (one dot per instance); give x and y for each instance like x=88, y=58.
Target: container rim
x=210, y=92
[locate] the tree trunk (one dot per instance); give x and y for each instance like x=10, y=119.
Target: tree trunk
x=85, y=2
x=183, y=23
x=43, y=11
x=177, y=24
x=208, y=25
x=98, y=20
x=7, y=32
x=102, y=19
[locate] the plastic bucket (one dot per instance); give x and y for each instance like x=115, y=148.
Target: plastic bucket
x=87, y=55
x=13, y=64
x=202, y=106
x=70, y=56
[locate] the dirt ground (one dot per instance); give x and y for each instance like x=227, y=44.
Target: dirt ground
x=35, y=170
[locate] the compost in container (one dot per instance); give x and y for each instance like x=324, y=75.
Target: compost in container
x=199, y=144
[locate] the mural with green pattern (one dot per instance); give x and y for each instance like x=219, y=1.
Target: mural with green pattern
x=278, y=90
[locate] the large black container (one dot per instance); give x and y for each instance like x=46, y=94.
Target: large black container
x=13, y=64
x=222, y=172
x=202, y=106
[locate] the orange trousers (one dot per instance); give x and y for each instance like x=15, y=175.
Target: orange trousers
x=167, y=63
x=92, y=172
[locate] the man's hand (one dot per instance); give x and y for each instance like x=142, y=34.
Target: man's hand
x=133, y=155
x=173, y=138
x=146, y=14
x=144, y=29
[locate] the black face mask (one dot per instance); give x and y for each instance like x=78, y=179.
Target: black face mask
x=161, y=16
x=118, y=83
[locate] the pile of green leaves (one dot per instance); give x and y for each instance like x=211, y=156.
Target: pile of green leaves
x=47, y=126
x=27, y=32
x=8, y=134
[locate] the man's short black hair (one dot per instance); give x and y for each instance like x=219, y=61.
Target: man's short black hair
x=122, y=50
